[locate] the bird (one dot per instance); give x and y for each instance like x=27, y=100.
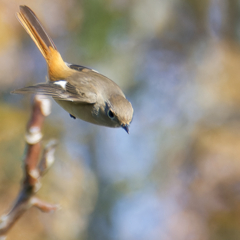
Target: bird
x=83, y=92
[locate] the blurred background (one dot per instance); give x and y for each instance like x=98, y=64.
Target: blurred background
x=177, y=175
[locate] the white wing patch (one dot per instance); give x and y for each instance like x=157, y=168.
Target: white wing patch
x=61, y=83
x=94, y=70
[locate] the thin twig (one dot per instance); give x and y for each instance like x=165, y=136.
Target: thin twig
x=33, y=168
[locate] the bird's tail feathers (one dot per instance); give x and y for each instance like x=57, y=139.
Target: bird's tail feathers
x=56, y=66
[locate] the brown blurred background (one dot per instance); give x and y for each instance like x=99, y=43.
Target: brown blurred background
x=177, y=175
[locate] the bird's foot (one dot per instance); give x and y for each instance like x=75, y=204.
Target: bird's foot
x=72, y=116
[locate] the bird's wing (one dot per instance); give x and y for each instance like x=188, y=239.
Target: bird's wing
x=61, y=90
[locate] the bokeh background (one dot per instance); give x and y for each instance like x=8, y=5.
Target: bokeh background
x=177, y=175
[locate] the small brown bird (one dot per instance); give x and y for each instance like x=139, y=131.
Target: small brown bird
x=81, y=91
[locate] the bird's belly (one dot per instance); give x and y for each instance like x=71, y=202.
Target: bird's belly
x=78, y=110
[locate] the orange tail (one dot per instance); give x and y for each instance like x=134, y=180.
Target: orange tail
x=57, y=69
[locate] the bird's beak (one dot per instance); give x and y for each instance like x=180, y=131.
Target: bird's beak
x=126, y=127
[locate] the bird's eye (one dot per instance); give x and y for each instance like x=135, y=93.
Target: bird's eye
x=110, y=114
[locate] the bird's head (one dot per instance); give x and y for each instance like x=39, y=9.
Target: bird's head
x=119, y=111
